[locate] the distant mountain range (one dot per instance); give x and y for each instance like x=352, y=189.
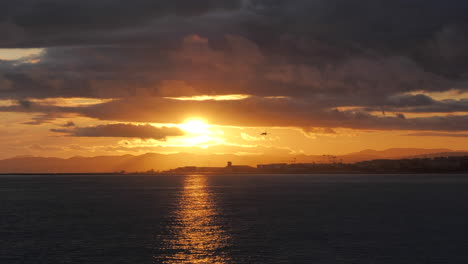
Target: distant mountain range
x=157, y=161
x=399, y=153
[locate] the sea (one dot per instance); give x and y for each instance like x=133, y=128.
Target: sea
x=133, y=219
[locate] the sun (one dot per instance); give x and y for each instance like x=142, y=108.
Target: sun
x=195, y=126
x=198, y=133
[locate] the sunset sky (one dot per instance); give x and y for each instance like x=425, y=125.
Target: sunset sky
x=114, y=77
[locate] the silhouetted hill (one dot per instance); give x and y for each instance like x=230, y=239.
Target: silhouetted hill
x=148, y=161
x=393, y=153
x=398, y=152
x=441, y=154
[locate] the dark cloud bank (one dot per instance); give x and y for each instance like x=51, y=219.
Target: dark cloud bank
x=123, y=130
x=368, y=56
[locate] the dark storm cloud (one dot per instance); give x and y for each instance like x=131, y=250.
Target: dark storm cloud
x=75, y=22
x=123, y=130
x=264, y=112
x=321, y=54
x=421, y=104
x=69, y=124
x=43, y=118
x=260, y=112
x=436, y=134
x=195, y=67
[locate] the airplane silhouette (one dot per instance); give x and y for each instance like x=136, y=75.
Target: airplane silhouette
x=264, y=134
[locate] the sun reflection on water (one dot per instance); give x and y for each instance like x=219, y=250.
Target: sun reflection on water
x=196, y=235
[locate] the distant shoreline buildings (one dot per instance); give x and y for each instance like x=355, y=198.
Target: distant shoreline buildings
x=418, y=165
x=228, y=169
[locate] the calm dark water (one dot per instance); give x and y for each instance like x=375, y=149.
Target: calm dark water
x=234, y=219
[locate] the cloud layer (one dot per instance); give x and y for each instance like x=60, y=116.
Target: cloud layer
x=322, y=63
x=123, y=131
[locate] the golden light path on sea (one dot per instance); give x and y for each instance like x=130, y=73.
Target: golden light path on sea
x=196, y=235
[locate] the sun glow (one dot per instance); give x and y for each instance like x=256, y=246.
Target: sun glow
x=195, y=126
x=199, y=134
